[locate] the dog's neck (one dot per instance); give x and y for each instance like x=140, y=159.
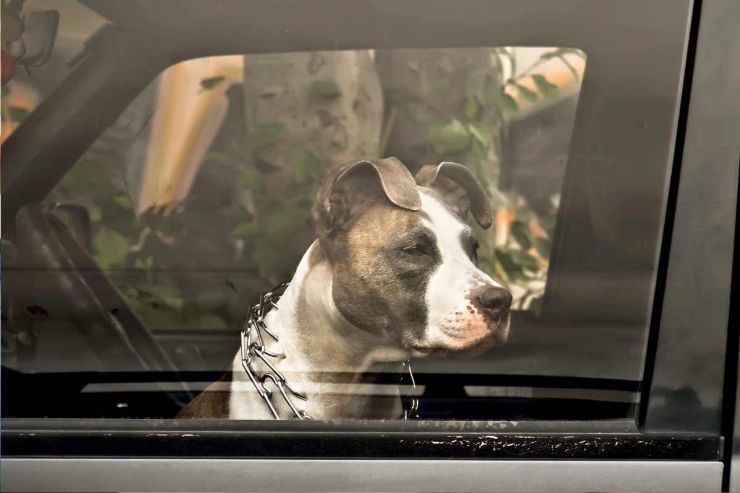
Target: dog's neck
x=326, y=355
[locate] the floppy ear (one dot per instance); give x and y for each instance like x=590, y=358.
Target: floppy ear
x=354, y=184
x=459, y=188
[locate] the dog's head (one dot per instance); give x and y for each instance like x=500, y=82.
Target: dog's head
x=403, y=259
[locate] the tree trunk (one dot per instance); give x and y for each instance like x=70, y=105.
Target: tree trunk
x=327, y=104
x=428, y=88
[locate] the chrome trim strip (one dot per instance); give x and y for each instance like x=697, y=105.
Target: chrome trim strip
x=20, y=474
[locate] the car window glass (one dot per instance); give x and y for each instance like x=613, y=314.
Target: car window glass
x=199, y=194
x=199, y=198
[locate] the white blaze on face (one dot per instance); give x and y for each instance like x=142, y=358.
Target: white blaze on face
x=453, y=320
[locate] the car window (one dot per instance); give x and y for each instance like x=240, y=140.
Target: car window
x=510, y=279
x=206, y=193
x=199, y=195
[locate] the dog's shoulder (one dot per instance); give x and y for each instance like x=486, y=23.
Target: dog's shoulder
x=212, y=403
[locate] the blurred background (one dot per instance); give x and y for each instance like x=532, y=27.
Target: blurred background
x=199, y=194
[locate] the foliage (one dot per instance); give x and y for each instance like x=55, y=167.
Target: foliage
x=517, y=249
x=245, y=225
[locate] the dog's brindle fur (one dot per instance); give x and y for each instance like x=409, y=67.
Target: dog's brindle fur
x=391, y=276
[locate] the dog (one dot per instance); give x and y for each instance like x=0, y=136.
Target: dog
x=393, y=275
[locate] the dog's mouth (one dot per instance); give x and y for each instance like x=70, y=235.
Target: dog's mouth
x=467, y=351
x=441, y=352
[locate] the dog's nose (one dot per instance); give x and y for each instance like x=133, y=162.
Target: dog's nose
x=493, y=300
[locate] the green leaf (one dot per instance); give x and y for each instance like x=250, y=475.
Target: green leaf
x=490, y=92
x=521, y=234
x=548, y=55
x=573, y=51
x=452, y=138
x=481, y=134
x=562, y=52
x=144, y=262
x=545, y=87
x=413, y=65
x=283, y=223
x=511, y=267
x=507, y=104
x=494, y=94
x=471, y=108
x=267, y=257
x=211, y=82
x=95, y=212
x=250, y=178
x=525, y=260
x=306, y=166
x=241, y=146
x=475, y=86
x=264, y=134
x=110, y=248
x=244, y=230
x=325, y=88
x=526, y=93
x=123, y=200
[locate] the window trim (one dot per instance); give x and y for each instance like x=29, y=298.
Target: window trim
x=268, y=475
x=610, y=440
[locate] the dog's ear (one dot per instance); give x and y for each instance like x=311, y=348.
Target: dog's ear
x=353, y=185
x=459, y=188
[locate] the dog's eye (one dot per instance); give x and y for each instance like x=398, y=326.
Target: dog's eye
x=415, y=249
